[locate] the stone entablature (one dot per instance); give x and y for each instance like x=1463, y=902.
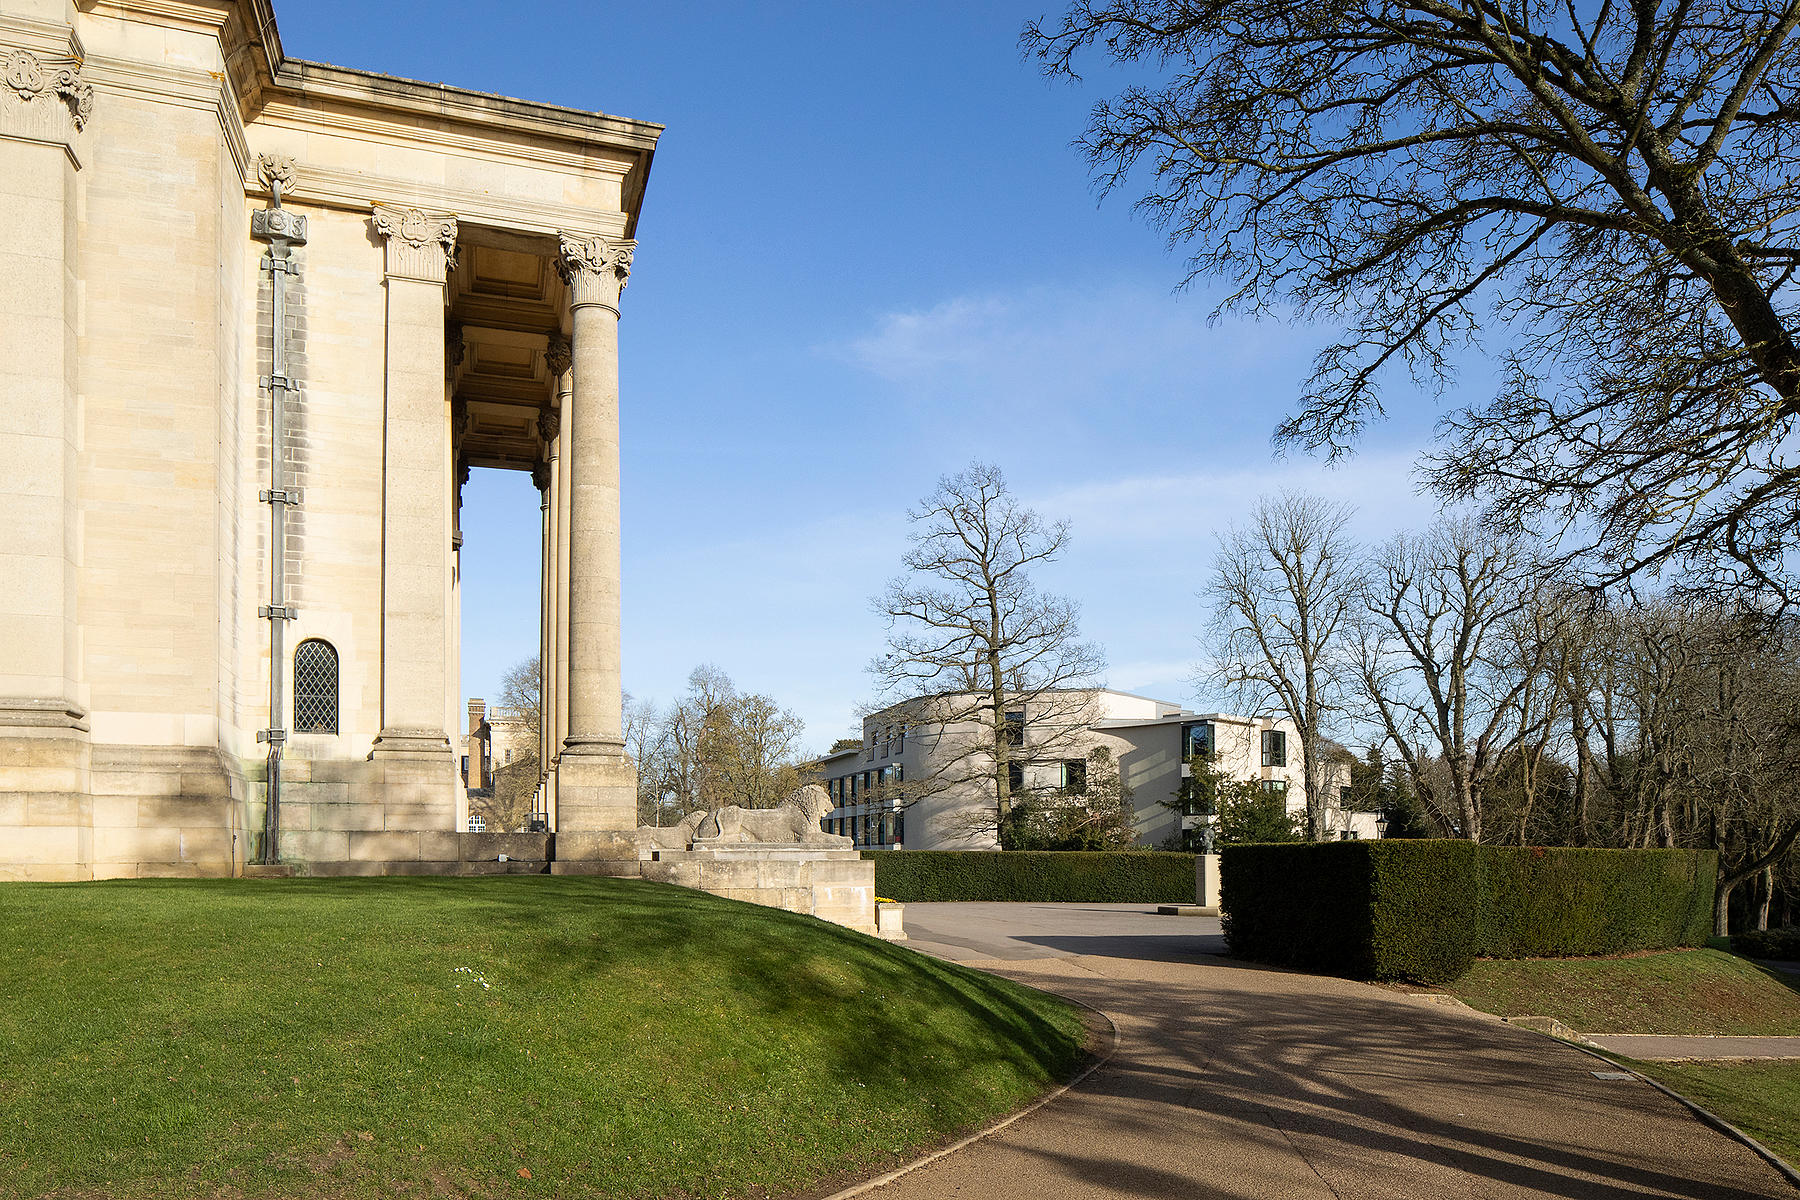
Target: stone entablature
x=157, y=154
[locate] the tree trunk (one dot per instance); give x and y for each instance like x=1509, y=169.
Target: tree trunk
x=1722, y=908
x=1765, y=894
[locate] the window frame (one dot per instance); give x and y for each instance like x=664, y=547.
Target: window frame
x=305, y=694
x=1274, y=748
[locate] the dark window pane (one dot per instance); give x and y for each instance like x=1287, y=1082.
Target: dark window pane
x=315, y=687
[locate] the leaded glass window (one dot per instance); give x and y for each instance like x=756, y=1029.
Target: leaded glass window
x=315, y=687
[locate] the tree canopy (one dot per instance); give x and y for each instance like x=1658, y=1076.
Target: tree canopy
x=1615, y=183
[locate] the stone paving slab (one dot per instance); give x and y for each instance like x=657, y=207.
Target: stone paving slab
x=1238, y=1082
x=1666, y=1047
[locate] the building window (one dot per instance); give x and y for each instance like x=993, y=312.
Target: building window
x=1275, y=787
x=1015, y=776
x=900, y=738
x=1012, y=730
x=315, y=687
x=477, y=823
x=1074, y=776
x=509, y=754
x=1274, y=748
x=1197, y=740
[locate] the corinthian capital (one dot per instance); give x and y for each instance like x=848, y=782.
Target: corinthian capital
x=32, y=87
x=420, y=245
x=595, y=268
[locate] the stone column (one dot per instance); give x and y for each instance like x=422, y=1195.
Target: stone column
x=44, y=104
x=558, y=358
x=418, y=494
x=597, y=784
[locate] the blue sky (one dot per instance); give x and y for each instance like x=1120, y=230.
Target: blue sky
x=868, y=255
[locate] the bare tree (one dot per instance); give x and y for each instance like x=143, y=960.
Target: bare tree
x=1283, y=587
x=993, y=666
x=512, y=797
x=642, y=731
x=520, y=694
x=1448, y=664
x=717, y=746
x=1616, y=182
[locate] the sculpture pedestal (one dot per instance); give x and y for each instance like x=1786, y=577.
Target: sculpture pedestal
x=833, y=885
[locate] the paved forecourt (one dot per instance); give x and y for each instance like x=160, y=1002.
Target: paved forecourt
x=1236, y=1081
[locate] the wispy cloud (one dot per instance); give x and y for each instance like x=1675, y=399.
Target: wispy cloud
x=1101, y=351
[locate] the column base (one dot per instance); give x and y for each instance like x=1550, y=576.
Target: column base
x=417, y=779
x=423, y=744
x=596, y=811
x=46, y=800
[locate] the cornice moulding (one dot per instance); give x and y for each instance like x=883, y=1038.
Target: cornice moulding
x=188, y=87
x=356, y=192
x=284, y=112
x=438, y=101
x=48, y=38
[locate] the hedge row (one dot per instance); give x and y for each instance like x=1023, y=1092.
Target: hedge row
x=1038, y=876
x=1780, y=944
x=1425, y=910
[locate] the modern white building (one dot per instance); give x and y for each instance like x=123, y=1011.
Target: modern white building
x=920, y=777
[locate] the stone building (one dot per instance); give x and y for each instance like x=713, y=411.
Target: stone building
x=918, y=782
x=258, y=318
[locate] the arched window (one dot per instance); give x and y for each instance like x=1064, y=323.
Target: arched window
x=315, y=687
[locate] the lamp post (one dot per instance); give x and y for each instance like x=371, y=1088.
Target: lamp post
x=1381, y=824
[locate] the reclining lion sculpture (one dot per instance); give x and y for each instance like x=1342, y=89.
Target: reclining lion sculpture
x=796, y=819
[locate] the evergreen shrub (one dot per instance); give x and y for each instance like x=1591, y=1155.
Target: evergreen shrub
x=1426, y=909
x=1035, y=876
x=1779, y=944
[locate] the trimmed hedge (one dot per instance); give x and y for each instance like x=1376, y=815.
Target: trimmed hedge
x=1035, y=876
x=1425, y=910
x=1779, y=944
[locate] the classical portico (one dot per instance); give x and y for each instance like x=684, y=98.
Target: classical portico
x=262, y=316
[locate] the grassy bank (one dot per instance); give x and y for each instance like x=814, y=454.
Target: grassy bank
x=1760, y=1098
x=525, y=1036
x=1676, y=991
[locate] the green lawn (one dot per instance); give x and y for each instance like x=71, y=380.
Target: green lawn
x=1760, y=1098
x=524, y=1036
x=1675, y=991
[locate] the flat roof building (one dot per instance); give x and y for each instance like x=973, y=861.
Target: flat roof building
x=917, y=782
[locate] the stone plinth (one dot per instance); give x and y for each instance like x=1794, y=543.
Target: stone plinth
x=1206, y=880
x=833, y=885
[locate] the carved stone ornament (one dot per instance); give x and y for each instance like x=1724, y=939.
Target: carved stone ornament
x=547, y=426
x=420, y=244
x=275, y=168
x=595, y=268
x=30, y=79
x=267, y=224
x=795, y=822
x=540, y=475
x=454, y=345
x=558, y=354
